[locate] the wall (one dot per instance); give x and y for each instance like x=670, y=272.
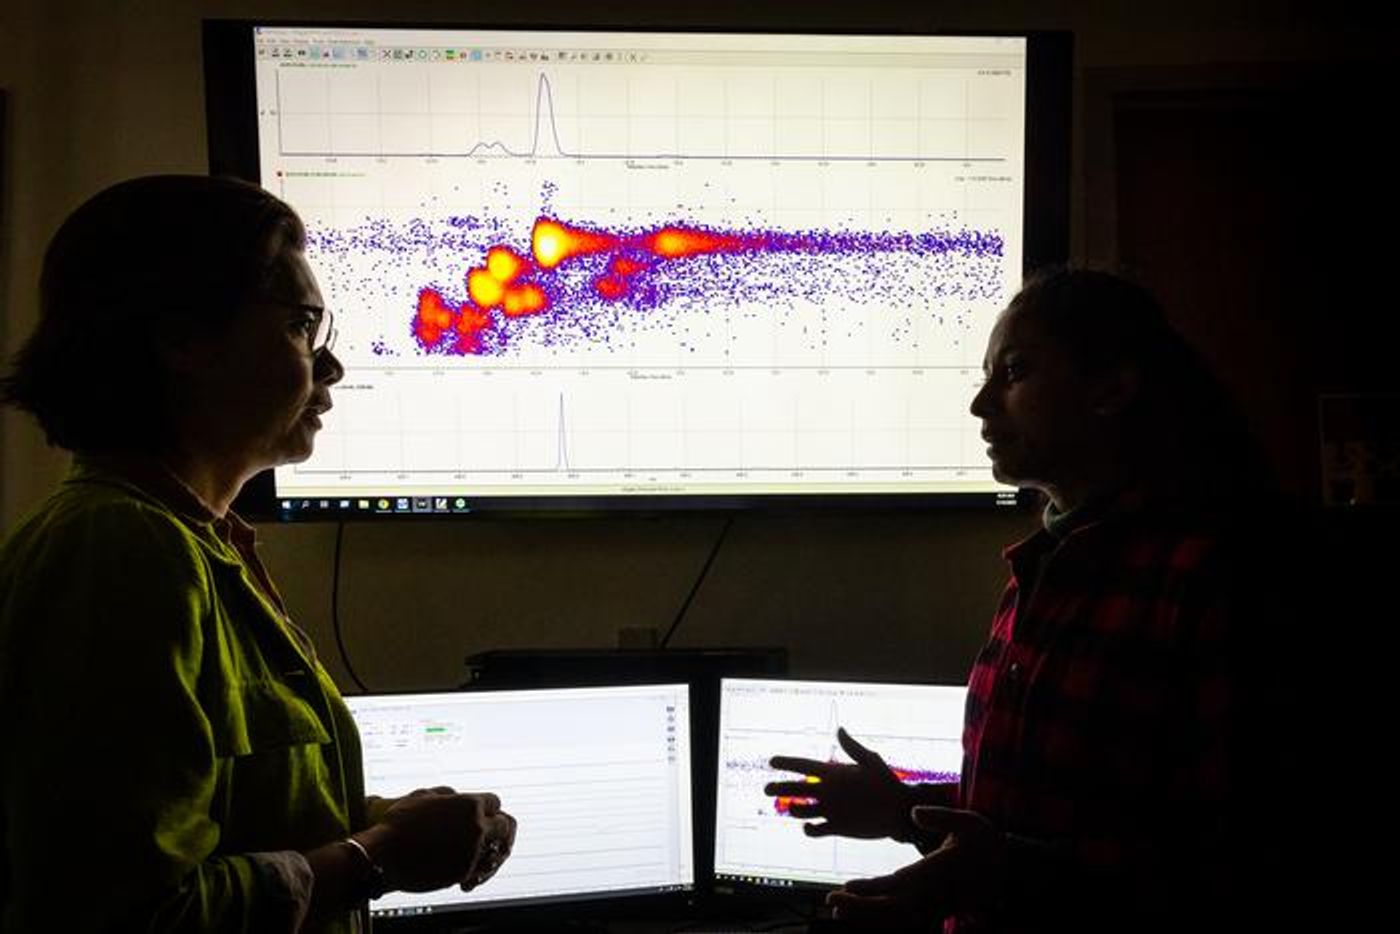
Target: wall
x=875, y=595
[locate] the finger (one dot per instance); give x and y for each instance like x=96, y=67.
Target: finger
x=796, y=764
x=947, y=820
x=824, y=829
x=510, y=831
x=477, y=877
x=502, y=830
x=803, y=810
x=490, y=804
x=493, y=848
x=483, y=872
x=438, y=790
x=859, y=754
x=475, y=880
x=919, y=892
x=376, y=807
x=791, y=789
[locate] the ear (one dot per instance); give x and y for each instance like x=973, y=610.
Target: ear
x=186, y=354
x=1117, y=390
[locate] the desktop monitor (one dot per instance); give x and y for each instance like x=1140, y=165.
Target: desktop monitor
x=641, y=269
x=598, y=778
x=916, y=728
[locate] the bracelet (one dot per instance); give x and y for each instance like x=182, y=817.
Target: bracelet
x=372, y=884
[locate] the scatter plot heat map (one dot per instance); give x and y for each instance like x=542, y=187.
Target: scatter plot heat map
x=629, y=264
x=570, y=275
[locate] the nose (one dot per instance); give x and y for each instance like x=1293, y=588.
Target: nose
x=981, y=401
x=327, y=368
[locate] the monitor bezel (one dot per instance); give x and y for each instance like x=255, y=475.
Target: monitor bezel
x=648, y=902
x=231, y=121
x=802, y=891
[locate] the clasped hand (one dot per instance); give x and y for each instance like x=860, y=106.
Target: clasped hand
x=436, y=837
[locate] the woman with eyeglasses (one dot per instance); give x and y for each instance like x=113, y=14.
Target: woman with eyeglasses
x=175, y=757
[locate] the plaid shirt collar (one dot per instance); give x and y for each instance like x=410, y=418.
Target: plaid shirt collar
x=1060, y=527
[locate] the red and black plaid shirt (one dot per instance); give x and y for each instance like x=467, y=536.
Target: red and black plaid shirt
x=1100, y=731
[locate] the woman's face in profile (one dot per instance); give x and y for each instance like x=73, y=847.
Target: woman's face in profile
x=258, y=393
x=1036, y=407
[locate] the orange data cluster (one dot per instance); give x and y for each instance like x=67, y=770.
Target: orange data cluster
x=513, y=285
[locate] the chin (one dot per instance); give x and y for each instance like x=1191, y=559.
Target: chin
x=1008, y=469
x=295, y=450
x=1001, y=475
x=300, y=443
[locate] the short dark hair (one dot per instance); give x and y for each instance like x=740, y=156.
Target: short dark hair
x=146, y=258
x=1183, y=424
x=1102, y=319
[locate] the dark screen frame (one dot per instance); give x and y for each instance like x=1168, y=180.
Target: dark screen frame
x=231, y=121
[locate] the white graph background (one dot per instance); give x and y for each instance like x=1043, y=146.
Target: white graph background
x=843, y=368
x=599, y=782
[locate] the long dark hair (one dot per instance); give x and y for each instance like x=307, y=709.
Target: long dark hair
x=1183, y=430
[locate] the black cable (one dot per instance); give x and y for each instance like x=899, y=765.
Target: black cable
x=335, y=608
x=680, y=615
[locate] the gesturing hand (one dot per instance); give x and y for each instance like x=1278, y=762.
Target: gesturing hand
x=967, y=871
x=863, y=799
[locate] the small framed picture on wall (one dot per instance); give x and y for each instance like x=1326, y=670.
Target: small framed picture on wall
x=1360, y=436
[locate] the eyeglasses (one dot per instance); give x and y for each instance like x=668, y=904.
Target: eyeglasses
x=320, y=336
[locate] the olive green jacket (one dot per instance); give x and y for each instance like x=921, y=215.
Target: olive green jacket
x=168, y=740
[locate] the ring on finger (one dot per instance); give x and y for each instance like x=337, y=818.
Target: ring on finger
x=493, y=853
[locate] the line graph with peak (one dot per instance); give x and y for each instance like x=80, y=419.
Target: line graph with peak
x=498, y=120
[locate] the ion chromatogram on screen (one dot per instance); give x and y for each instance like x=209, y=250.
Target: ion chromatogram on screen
x=694, y=272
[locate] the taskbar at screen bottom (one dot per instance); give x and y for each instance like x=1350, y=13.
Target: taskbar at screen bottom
x=735, y=881
x=394, y=505
x=542, y=901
